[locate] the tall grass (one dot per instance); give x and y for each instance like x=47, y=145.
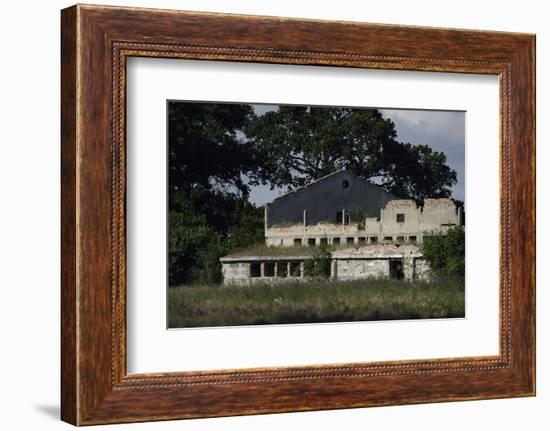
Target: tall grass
x=314, y=301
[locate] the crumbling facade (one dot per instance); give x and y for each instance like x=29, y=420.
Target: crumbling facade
x=370, y=233
x=375, y=261
x=381, y=220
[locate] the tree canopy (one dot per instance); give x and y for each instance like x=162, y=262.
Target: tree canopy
x=207, y=148
x=209, y=161
x=300, y=144
x=446, y=252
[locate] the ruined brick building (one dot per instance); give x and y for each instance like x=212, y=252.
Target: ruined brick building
x=370, y=233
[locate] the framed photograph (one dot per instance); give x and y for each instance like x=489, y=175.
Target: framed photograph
x=264, y=214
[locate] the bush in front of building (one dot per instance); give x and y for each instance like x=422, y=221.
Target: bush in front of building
x=319, y=266
x=446, y=252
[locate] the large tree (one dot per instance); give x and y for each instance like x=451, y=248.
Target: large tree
x=210, y=168
x=209, y=159
x=299, y=144
x=207, y=148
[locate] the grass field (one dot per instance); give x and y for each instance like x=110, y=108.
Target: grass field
x=314, y=301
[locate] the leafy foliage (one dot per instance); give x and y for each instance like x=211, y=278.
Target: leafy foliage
x=209, y=212
x=301, y=144
x=196, y=244
x=193, y=245
x=319, y=266
x=206, y=147
x=247, y=226
x=446, y=253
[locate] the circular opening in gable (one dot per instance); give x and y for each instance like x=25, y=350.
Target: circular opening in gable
x=345, y=184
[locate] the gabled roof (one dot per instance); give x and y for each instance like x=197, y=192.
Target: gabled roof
x=318, y=180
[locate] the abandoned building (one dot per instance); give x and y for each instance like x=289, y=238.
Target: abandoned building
x=402, y=262
x=343, y=208
x=370, y=233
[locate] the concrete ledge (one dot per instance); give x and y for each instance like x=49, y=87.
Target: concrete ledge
x=234, y=259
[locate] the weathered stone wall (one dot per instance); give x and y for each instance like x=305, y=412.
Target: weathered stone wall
x=286, y=235
x=236, y=272
x=408, y=268
x=262, y=269
x=401, y=221
x=354, y=263
x=357, y=269
x=439, y=215
x=411, y=214
x=373, y=226
x=422, y=270
x=404, y=219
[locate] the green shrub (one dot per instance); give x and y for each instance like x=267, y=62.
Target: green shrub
x=319, y=266
x=445, y=253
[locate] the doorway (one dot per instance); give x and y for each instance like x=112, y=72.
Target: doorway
x=396, y=269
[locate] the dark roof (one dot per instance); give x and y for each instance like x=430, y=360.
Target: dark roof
x=342, y=190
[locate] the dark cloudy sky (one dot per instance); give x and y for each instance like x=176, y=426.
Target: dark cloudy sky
x=442, y=130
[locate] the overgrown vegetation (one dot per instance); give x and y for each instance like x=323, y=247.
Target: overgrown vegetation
x=319, y=266
x=261, y=249
x=315, y=301
x=196, y=243
x=446, y=253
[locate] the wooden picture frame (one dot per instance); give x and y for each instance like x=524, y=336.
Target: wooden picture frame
x=95, y=43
